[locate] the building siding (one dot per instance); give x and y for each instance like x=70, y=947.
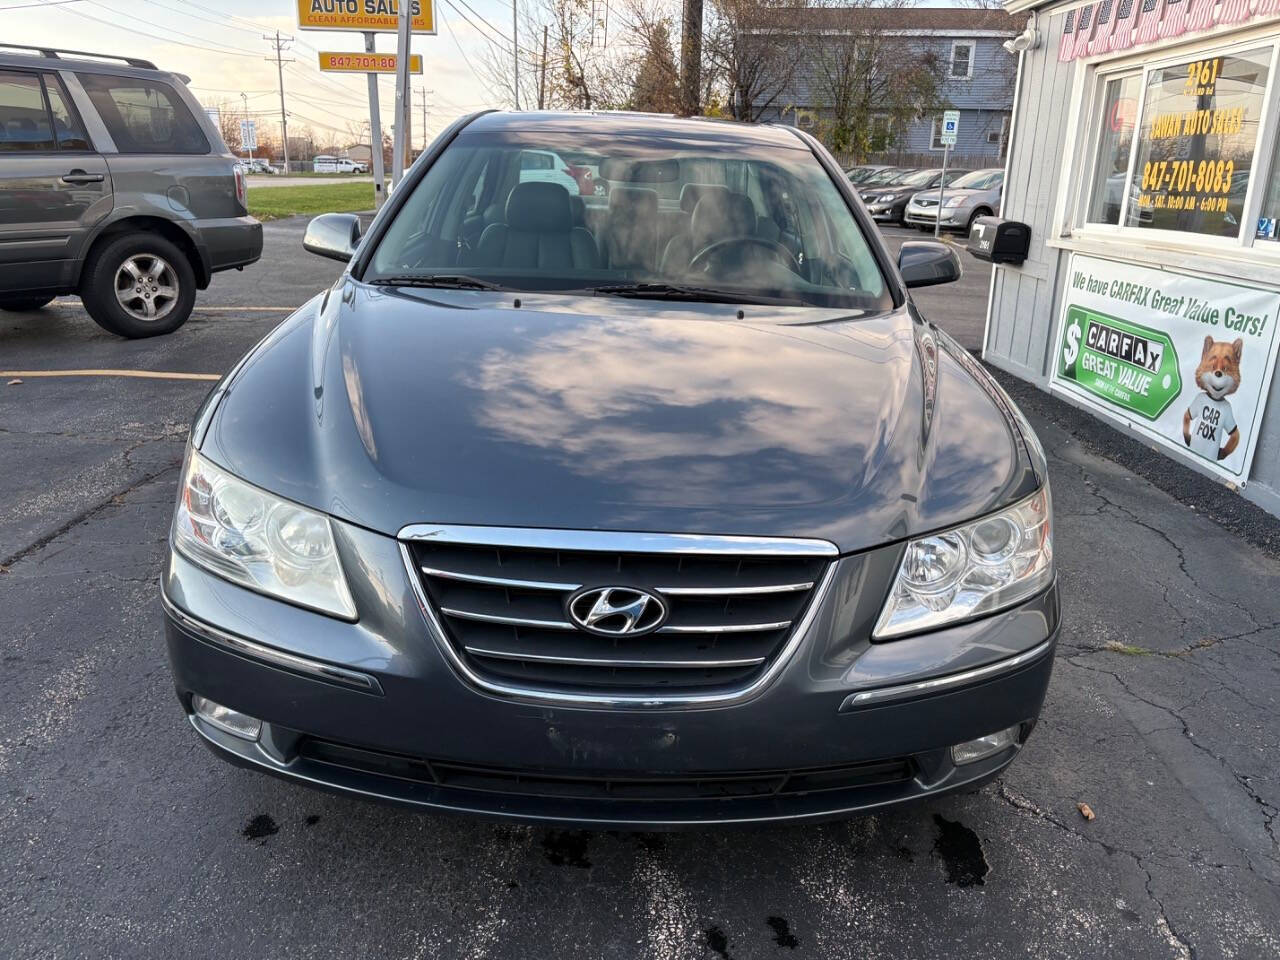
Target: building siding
x=983, y=99
x=1026, y=300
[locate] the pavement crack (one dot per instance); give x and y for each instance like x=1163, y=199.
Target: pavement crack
x=112, y=499
x=1269, y=811
x=1182, y=947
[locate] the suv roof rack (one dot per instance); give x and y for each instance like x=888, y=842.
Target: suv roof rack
x=57, y=54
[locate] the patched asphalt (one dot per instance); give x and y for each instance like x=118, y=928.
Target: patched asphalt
x=121, y=836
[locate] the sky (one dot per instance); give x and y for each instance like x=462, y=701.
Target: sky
x=219, y=45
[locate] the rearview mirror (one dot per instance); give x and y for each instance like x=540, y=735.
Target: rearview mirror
x=333, y=235
x=924, y=263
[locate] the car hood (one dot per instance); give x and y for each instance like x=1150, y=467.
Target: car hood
x=947, y=194
x=386, y=408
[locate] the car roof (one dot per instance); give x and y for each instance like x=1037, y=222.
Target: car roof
x=637, y=125
x=118, y=65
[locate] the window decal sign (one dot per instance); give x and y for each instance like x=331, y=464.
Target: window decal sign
x=1183, y=360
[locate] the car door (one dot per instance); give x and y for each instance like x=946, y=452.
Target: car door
x=54, y=187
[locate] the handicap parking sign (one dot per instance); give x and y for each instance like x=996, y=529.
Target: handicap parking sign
x=950, y=127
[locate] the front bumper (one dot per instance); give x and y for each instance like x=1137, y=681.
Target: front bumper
x=374, y=709
x=953, y=218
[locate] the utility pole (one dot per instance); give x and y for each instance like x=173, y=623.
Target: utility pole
x=515, y=51
x=424, y=119
x=691, y=57
x=281, y=44
x=542, y=78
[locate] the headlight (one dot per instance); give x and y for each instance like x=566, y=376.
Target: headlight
x=976, y=569
x=887, y=198
x=258, y=540
x=955, y=201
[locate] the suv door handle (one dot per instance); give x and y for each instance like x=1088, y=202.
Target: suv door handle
x=79, y=176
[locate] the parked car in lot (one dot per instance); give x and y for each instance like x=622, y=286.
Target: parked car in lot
x=622, y=513
x=328, y=164
x=114, y=185
x=976, y=194
x=884, y=176
x=860, y=174
x=889, y=203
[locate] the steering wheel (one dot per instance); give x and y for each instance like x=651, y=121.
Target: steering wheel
x=702, y=259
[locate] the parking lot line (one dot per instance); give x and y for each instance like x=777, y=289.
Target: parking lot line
x=139, y=374
x=199, y=308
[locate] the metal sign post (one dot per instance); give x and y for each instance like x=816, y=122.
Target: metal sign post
x=375, y=133
x=403, y=36
x=950, y=127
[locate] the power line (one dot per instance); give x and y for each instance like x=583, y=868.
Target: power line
x=225, y=47
x=465, y=59
x=49, y=3
x=136, y=32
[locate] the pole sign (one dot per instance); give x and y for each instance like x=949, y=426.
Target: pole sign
x=364, y=16
x=1183, y=360
x=248, y=135
x=950, y=127
x=366, y=62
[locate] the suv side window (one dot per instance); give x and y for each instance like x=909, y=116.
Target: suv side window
x=24, y=119
x=144, y=116
x=66, y=124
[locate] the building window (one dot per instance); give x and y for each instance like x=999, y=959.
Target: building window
x=1268, y=228
x=961, y=59
x=998, y=133
x=1174, y=147
x=1195, y=143
x=1115, y=144
x=935, y=139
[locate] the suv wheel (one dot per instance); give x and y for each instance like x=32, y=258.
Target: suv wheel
x=139, y=285
x=34, y=302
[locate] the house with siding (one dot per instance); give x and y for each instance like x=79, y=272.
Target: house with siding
x=962, y=46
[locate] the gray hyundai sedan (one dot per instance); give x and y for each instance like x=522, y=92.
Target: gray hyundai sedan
x=633, y=493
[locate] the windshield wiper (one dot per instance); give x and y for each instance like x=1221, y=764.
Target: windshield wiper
x=451, y=281
x=677, y=291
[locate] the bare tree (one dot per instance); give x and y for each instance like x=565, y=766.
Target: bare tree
x=750, y=54
x=870, y=80
x=229, y=117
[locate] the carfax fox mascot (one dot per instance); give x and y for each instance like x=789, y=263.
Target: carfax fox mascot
x=1209, y=425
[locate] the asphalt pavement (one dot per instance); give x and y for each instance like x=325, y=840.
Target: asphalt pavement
x=121, y=836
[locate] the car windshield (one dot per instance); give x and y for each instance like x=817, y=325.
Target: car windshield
x=884, y=176
x=681, y=218
x=917, y=179
x=979, y=180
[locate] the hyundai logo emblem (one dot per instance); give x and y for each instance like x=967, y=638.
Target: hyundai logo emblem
x=617, y=611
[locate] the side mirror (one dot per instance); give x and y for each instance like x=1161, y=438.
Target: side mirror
x=333, y=235
x=924, y=263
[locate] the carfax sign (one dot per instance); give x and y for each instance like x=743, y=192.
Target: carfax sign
x=1186, y=361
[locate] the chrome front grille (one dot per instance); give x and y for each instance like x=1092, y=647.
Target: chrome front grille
x=500, y=597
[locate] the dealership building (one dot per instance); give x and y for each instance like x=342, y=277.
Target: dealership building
x=1145, y=158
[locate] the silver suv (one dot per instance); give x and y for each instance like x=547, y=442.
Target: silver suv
x=114, y=185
